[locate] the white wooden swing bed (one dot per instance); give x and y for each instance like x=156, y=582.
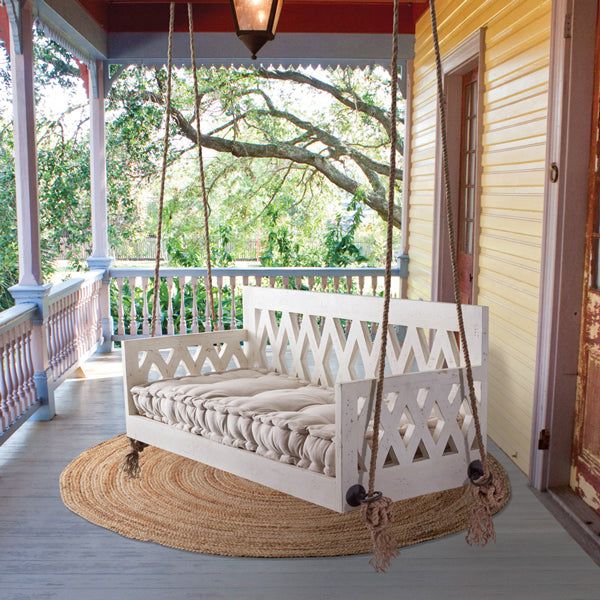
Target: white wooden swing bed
x=427, y=431
x=403, y=384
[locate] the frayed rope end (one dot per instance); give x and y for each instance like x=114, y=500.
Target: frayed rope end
x=487, y=494
x=131, y=464
x=377, y=515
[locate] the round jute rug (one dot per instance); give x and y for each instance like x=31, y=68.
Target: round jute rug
x=184, y=504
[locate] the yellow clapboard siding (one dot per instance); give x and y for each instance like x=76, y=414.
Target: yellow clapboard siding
x=519, y=201
x=518, y=177
x=514, y=223
x=514, y=124
x=526, y=105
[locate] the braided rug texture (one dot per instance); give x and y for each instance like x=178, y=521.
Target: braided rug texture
x=185, y=504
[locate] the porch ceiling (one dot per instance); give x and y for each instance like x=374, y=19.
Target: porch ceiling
x=298, y=16
x=311, y=32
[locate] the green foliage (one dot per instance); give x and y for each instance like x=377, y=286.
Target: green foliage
x=340, y=247
x=9, y=269
x=221, y=255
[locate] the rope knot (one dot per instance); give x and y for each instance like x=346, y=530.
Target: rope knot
x=487, y=494
x=131, y=464
x=377, y=514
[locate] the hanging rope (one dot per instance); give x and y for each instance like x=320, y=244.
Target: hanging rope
x=487, y=490
x=163, y=174
x=131, y=465
x=209, y=287
x=376, y=507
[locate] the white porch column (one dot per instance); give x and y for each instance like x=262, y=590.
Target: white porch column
x=98, y=163
x=100, y=258
x=28, y=224
x=30, y=287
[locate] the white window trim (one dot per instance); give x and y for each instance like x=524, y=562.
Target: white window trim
x=461, y=58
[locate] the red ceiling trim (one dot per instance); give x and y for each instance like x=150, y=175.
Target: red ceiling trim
x=296, y=18
x=362, y=16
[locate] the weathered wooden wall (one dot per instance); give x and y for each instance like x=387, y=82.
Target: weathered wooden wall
x=513, y=172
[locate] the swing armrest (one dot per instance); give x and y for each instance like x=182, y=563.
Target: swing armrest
x=426, y=430
x=187, y=354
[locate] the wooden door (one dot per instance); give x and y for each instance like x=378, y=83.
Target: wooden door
x=585, y=473
x=468, y=185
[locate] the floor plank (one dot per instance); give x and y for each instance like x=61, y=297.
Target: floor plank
x=48, y=553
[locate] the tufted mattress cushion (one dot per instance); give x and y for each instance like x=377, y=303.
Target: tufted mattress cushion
x=274, y=415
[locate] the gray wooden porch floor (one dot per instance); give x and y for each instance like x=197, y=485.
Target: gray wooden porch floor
x=48, y=553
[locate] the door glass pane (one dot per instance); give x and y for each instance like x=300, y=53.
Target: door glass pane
x=471, y=203
x=468, y=164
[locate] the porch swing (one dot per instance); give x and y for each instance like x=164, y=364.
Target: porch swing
x=404, y=407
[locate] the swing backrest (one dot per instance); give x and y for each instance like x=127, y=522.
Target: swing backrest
x=328, y=338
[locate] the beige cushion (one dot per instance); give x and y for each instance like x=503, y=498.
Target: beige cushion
x=280, y=417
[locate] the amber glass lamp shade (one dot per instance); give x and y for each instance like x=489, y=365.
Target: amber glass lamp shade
x=256, y=21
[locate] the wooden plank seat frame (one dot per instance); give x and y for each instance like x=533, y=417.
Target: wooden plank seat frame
x=333, y=340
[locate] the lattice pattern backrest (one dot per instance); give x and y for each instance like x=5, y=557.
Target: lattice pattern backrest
x=329, y=338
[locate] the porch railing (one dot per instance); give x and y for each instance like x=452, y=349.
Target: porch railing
x=183, y=299
x=42, y=343
x=74, y=323
x=17, y=386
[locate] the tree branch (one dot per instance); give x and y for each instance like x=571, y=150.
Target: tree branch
x=380, y=115
x=374, y=198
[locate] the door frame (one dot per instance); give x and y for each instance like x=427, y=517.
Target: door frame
x=467, y=55
x=571, y=87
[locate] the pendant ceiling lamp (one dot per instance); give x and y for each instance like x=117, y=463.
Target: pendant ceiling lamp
x=256, y=21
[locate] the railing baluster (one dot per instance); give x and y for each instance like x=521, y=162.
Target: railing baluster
x=220, y=301
x=4, y=412
x=12, y=378
x=133, y=325
x=20, y=363
x=145, y=313
x=361, y=284
x=374, y=285
x=349, y=286
x=194, y=284
x=299, y=282
x=233, y=311
x=30, y=369
x=336, y=285
x=311, y=282
x=120, y=315
x=207, y=323
x=170, y=322
x=50, y=339
x=182, y=315
x=62, y=325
